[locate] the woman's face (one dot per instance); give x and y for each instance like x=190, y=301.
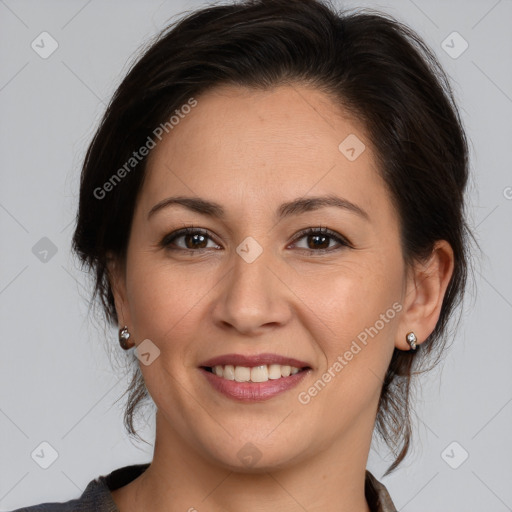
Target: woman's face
x=247, y=282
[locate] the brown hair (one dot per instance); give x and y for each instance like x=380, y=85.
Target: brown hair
x=377, y=68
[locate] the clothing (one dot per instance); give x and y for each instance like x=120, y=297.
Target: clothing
x=97, y=496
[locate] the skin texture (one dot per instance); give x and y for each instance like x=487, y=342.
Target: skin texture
x=250, y=151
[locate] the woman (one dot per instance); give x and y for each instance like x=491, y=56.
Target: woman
x=273, y=207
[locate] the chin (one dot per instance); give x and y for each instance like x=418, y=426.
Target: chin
x=255, y=455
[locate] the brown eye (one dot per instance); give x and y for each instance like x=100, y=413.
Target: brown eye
x=321, y=240
x=196, y=241
x=191, y=239
x=318, y=241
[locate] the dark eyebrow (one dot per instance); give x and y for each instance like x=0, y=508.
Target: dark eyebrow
x=294, y=207
x=192, y=203
x=314, y=203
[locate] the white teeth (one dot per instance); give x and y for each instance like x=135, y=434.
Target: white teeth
x=242, y=373
x=261, y=373
x=229, y=372
x=274, y=371
x=286, y=370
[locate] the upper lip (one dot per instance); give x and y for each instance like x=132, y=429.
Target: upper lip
x=254, y=360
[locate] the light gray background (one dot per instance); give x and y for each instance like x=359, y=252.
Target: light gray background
x=56, y=381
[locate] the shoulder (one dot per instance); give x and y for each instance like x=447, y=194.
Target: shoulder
x=377, y=495
x=91, y=498
x=96, y=497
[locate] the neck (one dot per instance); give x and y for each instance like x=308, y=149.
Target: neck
x=180, y=479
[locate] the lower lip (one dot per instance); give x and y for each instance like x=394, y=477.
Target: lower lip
x=253, y=391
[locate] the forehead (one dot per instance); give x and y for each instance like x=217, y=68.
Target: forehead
x=239, y=145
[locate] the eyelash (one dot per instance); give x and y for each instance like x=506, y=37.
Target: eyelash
x=191, y=230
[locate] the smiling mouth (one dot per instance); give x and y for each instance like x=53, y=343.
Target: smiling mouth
x=261, y=373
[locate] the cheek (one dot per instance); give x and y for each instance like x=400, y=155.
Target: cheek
x=360, y=309
x=350, y=297
x=358, y=312
x=163, y=297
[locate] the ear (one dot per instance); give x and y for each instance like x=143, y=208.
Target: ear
x=117, y=278
x=425, y=289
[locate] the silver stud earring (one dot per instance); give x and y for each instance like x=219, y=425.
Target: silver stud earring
x=124, y=336
x=411, y=339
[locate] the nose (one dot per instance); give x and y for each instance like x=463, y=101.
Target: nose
x=252, y=298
